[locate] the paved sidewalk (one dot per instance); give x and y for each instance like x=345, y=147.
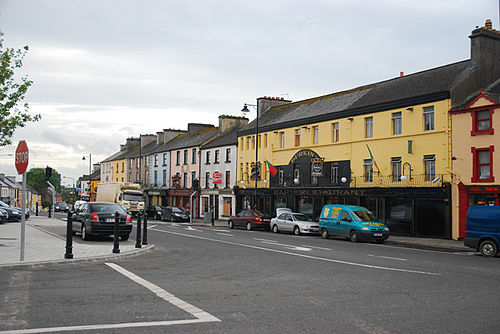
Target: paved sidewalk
x=45, y=248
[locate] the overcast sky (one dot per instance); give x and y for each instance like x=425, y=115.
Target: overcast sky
x=107, y=70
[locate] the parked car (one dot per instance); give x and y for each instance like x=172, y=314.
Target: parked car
x=61, y=206
x=353, y=222
x=155, y=212
x=98, y=218
x=14, y=213
x=483, y=229
x=78, y=204
x=296, y=223
x=250, y=219
x=3, y=216
x=174, y=213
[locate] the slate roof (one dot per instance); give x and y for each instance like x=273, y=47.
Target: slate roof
x=146, y=150
x=227, y=139
x=186, y=140
x=115, y=156
x=408, y=90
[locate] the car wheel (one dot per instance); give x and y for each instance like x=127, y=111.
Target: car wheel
x=324, y=233
x=275, y=228
x=296, y=230
x=353, y=236
x=231, y=224
x=85, y=236
x=488, y=248
x=124, y=237
x=249, y=226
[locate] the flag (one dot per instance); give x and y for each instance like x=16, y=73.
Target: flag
x=272, y=169
x=371, y=156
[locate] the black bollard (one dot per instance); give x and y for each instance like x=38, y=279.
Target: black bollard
x=69, y=236
x=145, y=233
x=138, y=234
x=36, y=212
x=116, y=234
x=49, y=212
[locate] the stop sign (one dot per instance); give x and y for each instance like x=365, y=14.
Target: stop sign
x=22, y=155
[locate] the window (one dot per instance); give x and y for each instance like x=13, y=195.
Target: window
x=226, y=206
x=207, y=157
x=193, y=157
x=193, y=177
x=396, y=123
x=280, y=176
x=248, y=143
x=259, y=141
x=368, y=170
x=228, y=179
x=241, y=144
x=335, y=132
x=482, y=164
x=396, y=169
x=216, y=157
x=123, y=167
x=315, y=134
x=185, y=180
x=253, y=142
x=155, y=178
x=164, y=177
x=156, y=160
x=185, y=157
x=178, y=162
x=297, y=137
x=265, y=140
x=164, y=159
x=369, y=127
x=241, y=171
x=430, y=167
x=207, y=179
x=282, y=140
x=334, y=178
x=228, y=154
x=429, y=118
x=481, y=122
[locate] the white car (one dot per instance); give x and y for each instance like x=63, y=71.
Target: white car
x=296, y=223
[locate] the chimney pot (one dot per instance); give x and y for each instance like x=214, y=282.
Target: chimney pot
x=401, y=74
x=488, y=24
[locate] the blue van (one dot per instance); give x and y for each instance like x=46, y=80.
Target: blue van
x=353, y=222
x=483, y=229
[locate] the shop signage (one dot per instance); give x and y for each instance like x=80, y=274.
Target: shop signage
x=217, y=178
x=317, y=167
x=176, y=181
x=304, y=153
x=319, y=192
x=483, y=189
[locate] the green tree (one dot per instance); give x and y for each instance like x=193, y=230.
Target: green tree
x=35, y=178
x=12, y=92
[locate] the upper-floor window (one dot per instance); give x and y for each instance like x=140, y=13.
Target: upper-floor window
x=368, y=170
x=241, y=144
x=123, y=167
x=185, y=157
x=216, y=157
x=396, y=169
x=193, y=178
x=335, y=132
x=156, y=160
x=253, y=142
x=315, y=134
x=207, y=157
x=164, y=175
x=228, y=154
x=193, y=156
x=155, y=178
x=282, y=140
x=248, y=143
x=207, y=179
x=184, y=180
x=265, y=140
x=481, y=122
x=297, y=137
x=369, y=127
x=165, y=159
x=482, y=164
x=228, y=179
x=178, y=161
x=259, y=141
x=430, y=167
x=429, y=118
x=396, y=123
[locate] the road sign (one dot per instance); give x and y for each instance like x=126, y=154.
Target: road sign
x=22, y=155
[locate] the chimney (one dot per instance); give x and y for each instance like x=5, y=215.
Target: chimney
x=227, y=123
x=169, y=134
x=146, y=139
x=401, y=74
x=266, y=102
x=159, y=138
x=485, y=51
x=194, y=128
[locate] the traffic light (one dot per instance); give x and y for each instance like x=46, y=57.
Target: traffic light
x=48, y=173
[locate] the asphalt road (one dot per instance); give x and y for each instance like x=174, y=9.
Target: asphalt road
x=216, y=280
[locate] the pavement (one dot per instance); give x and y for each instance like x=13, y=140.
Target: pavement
x=46, y=248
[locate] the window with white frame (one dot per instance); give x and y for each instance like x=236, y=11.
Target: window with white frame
x=368, y=170
x=396, y=169
x=396, y=123
x=369, y=127
x=315, y=134
x=429, y=118
x=335, y=132
x=430, y=167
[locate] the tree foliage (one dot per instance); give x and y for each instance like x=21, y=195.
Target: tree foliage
x=12, y=92
x=35, y=178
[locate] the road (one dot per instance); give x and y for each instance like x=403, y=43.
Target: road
x=215, y=280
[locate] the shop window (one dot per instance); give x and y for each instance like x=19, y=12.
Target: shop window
x=297, y=137
x=396, y=123
x=369, y=127
x=335, y=174
x=226, y=206
x=429, y=118
x=481, y=122
x=335, y=132
x=430, y=167
x=368, y=170
x=482, y=164
x=396, y=169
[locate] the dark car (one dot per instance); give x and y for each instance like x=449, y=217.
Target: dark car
x=155, y=212
x=14, y=213
x=175, y=214
x=98, y=218
x=3, y=216
x=61, y=207
x=250, y=219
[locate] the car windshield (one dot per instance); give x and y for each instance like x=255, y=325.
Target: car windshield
x=4, y=204
x=61, y=203
x=302, y=217
x=179, y=210
x=106, y=208
x=133, y=197
x=258, y=213
x=363, y=216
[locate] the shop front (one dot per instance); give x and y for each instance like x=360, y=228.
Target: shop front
x=182, y=199
x=221, y=202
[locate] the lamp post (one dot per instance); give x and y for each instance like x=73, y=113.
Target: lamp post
x=245, y=109
x=90, y=172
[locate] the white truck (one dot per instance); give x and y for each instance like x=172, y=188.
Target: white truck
x=126, y=194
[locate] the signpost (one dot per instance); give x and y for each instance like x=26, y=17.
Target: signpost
x=22, y=159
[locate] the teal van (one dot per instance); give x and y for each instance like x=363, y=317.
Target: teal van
x=353, y=222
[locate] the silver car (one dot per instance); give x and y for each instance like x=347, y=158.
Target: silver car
x=297, y=223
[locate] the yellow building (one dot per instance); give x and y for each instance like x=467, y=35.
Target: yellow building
x=119, y=170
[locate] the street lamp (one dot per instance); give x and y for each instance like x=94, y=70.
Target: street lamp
x=245, y=109
x=90, y=172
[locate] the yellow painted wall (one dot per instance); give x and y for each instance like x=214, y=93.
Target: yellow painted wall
x=120, y=170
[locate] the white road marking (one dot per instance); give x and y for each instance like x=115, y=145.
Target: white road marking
x=292, y=247
x=388, y=257
x=191, y=229
x=315, y=247
x=306, y=256
x=268, y=240
x=225, y=231
x=199, y=314
x=150, y=227
x=226, y=235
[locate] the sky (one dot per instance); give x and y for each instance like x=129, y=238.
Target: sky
x=106, y=70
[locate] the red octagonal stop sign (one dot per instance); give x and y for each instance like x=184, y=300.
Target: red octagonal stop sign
x=22, y=155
